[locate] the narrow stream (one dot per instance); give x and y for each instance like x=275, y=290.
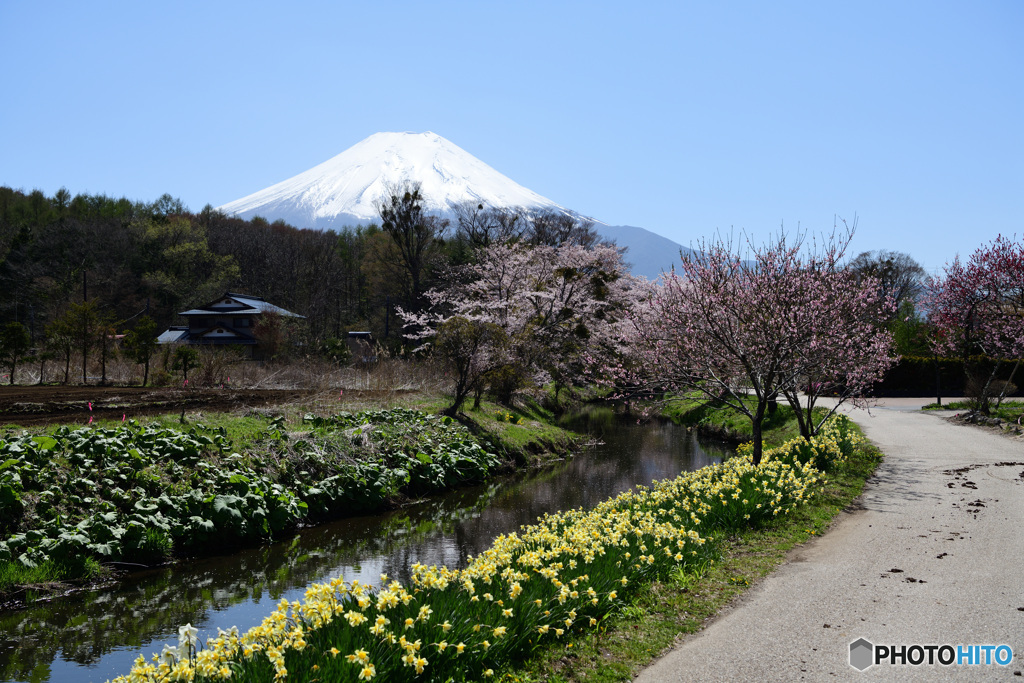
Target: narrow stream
x=96, y=635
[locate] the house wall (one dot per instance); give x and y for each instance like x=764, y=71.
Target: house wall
x=197, y=323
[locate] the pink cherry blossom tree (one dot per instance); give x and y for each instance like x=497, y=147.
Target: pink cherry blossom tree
x=784, y=322
x=844, y=347
x=977, y=307
x=472, y=350
x=554, y=305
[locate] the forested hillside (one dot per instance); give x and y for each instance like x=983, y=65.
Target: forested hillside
x=132, y=258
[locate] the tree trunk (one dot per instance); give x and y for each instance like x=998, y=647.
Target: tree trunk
x=756, y=422
x=983, y=402
x=804, y=422
x=103, y=362
x=456, y=405
x=809, y=431
x=758, y=444
x=1006, y=385
x=461, y=393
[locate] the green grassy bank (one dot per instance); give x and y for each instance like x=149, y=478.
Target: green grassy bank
x=721, y=422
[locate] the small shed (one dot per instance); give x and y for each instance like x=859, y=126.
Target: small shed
x=361, y=344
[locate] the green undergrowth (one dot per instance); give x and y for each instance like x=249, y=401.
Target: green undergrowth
x=656, y=619
x=525, y=432
x=244, y=431
x=140, y=493
x=779, y=426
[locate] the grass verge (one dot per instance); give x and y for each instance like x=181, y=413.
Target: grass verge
x=657, y=618
x=1008, y=410
x=525, y=433
x=720, y=421
x=20, y=584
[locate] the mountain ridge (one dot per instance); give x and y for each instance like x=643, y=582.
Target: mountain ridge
x=343, y=191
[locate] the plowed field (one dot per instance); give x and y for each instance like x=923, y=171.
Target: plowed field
x=49, y=404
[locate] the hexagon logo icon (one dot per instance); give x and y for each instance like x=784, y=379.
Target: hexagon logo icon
x=861, y=654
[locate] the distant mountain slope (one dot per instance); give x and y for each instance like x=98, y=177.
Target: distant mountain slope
x=344, y=189
x=649, y=253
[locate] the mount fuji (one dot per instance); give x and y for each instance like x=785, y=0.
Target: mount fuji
x=343, y=191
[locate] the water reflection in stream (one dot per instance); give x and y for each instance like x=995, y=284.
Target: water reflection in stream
x=94, y=636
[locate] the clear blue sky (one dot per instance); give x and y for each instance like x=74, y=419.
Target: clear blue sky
x=680, y=117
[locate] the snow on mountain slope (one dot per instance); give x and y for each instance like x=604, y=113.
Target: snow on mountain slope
x=342, y=190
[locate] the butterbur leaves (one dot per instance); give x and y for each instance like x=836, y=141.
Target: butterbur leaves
x=129, y=494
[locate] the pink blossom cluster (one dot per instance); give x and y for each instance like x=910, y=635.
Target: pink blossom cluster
x=552, y=313
x=978, y=306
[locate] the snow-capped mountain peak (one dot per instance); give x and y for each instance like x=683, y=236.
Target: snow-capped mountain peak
x=344, y=190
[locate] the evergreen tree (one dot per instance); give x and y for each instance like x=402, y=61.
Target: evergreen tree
x=185, y=358
x=140, y=343
x=14, y=345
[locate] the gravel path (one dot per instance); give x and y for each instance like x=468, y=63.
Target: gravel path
x=933, y=555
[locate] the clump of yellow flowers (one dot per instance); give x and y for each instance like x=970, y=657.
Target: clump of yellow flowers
x=564, y=573
x=829, y=448
x=504, y=416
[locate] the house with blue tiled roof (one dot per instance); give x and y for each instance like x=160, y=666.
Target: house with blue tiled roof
x=228, y=321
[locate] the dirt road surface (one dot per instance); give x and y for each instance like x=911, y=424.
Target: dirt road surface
x=933, y=554
x=30, y=405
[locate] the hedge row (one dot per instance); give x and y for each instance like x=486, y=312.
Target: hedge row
x=916, y=376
